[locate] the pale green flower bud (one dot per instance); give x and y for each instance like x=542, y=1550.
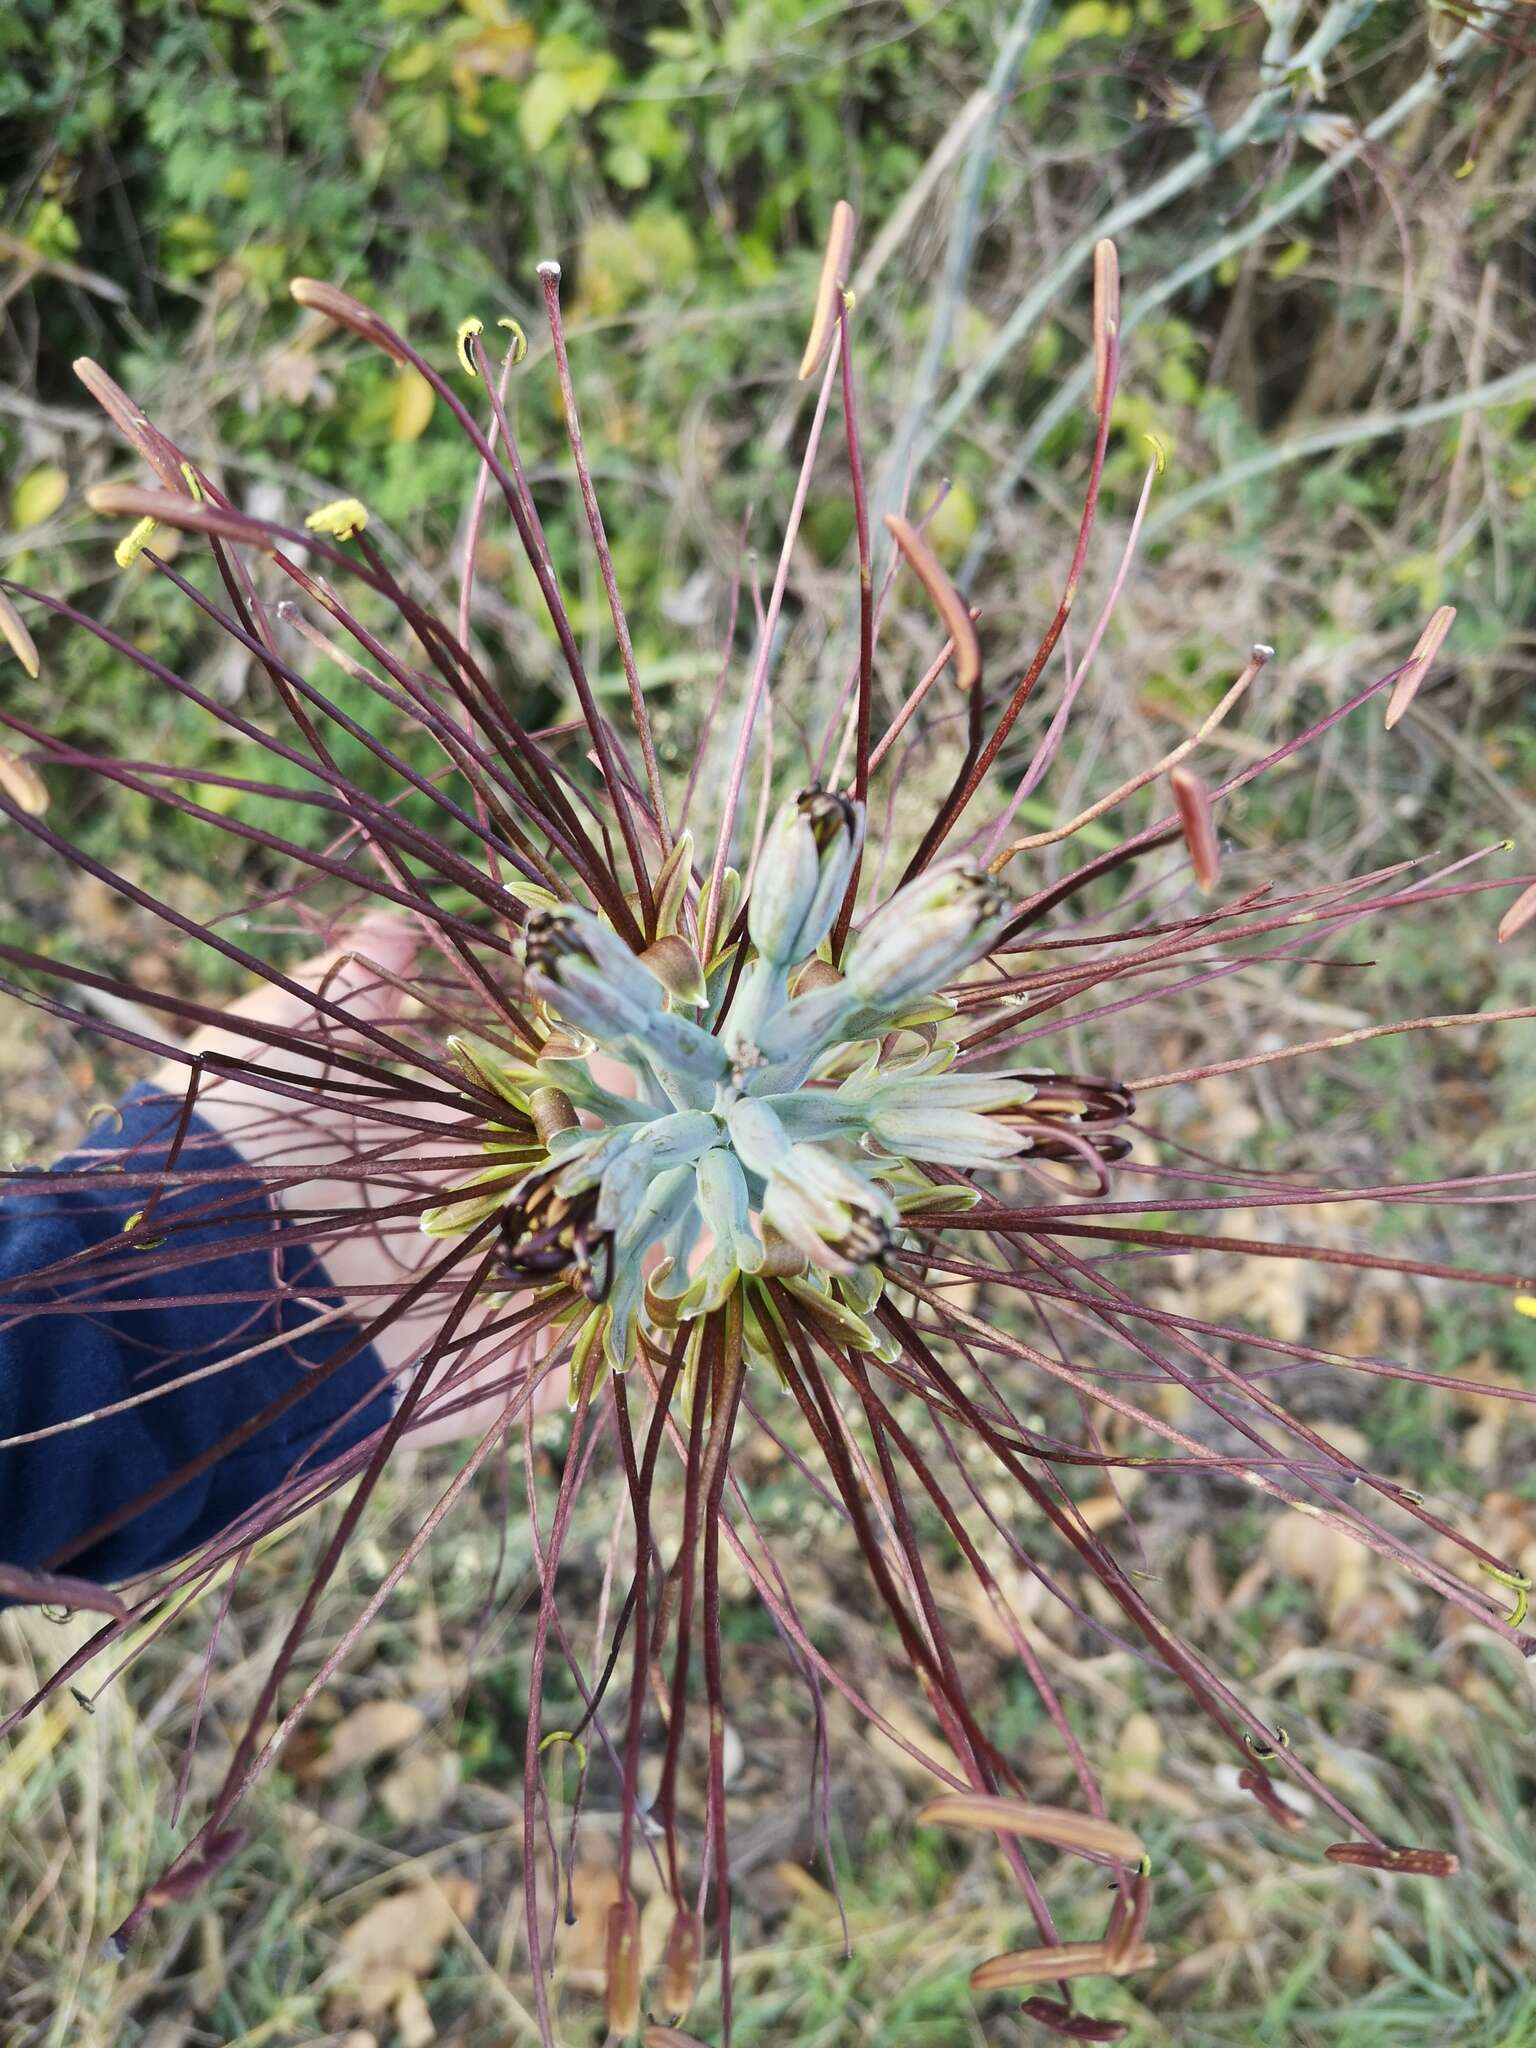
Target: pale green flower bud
x=667, y=1142
x=826, y=1211
x=802, y=874
x=757, y=1135
x=928, y=931
x=944, y=1136
x=587, y=973
x=721, y=1195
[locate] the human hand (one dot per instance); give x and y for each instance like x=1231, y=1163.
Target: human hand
x=368, y=976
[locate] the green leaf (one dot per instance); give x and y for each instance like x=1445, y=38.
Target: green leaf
x=542, y=108
x=39, y=495
x=629, y=167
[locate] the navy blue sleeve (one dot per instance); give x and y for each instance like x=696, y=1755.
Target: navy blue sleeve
x=56, y=1365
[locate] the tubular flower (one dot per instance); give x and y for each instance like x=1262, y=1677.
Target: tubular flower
x=729, y=1146
x=763, y=1178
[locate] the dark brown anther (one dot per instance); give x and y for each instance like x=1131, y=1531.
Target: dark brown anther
x=827, y=814
x=865, y=1242
x=548, y=1236
x=546, y=938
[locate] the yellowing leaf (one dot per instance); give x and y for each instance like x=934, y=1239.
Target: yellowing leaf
x=412, y=408
x=396, y=1942
x=543, y=106
x=587, y=81
x=1291, y=259
x=39, y=495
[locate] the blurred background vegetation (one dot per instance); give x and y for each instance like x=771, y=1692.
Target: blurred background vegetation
x=1325, y=215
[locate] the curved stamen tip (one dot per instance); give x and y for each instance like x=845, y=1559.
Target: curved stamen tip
x=465, y=332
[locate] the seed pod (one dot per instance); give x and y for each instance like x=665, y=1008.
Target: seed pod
x=1425, y=649
x=1518, y=915
x=1259, y=1786
x=947, y=601
x=802, y=874
x=1106, y=317
x=1408, y=1862
x=1072, y=2026
x=680, y=1970
x=623, y=1966
x=13, y=629
x=1062, y=1826
x=22, y=783
x=829, y=289
x=318, y=297
x=1048, y=1965
x=1193, y=801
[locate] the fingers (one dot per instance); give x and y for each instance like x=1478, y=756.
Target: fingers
x=359, y=975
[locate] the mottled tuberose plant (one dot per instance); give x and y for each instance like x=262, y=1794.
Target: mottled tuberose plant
x=746, y=1131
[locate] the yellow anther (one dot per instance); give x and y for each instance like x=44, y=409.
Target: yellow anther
x=133, y=544
x=519, y=338
x=341, y=518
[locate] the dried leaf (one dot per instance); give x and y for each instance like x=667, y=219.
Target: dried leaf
x=420, y=1788
x=375, y=1729
x=396, y=1942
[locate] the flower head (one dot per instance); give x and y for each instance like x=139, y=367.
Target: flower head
x=717, y=1153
